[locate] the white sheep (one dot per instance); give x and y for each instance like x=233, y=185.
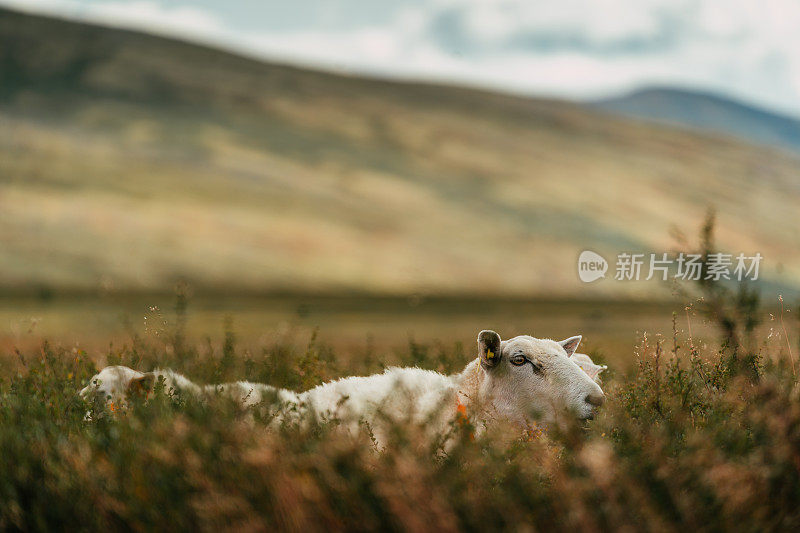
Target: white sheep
x=116, y=383
x=520, y=380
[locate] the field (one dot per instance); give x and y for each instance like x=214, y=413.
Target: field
x=694, y=435
x=348, y=324
x=700, y=430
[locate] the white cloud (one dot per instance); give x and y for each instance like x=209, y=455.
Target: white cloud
x=573, y=48
x=149, y=15
x=183, y=21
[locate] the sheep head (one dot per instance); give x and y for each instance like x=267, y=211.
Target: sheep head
x=526, y=378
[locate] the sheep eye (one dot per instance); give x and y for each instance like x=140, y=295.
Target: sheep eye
x=518, y=360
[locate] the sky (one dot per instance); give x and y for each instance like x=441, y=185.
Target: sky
x=574, y=49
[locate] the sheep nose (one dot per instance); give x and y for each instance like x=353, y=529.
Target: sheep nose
x=595, y=398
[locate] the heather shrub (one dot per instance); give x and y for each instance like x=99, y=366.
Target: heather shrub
x=693, y=436
x=687, y=439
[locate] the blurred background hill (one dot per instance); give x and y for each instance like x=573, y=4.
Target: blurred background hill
x=708, y=111
x=129, y=161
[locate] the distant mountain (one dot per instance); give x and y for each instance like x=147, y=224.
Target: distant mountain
x=128, y=161
x=709, y=112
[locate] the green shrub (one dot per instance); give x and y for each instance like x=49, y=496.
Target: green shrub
x=686, y=440
x=692, y=437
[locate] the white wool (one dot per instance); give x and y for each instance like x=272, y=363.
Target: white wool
x=114, y=383
x=549, y=380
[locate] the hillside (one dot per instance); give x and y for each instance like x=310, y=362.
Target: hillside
x=709, y=112
x=128, y=161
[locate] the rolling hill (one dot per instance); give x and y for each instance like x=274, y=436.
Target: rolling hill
x=128, y=161
x=710, y=112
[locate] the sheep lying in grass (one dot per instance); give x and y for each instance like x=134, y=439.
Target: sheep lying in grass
x=117, y=383
x=519, y=380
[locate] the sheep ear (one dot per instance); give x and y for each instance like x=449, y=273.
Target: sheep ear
x=143, y=385
x=489, y=348
x=587, y=365
x=571, y=344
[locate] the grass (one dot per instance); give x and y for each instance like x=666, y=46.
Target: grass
x=348, y=324
x=700, y=438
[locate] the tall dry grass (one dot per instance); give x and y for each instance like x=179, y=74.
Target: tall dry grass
x=690, y=438
x=693, y=436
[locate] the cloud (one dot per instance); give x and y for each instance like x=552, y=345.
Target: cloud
x=569, y=48
x=573, y=48
x=567, y=24
x=182, y=21
x=150, y=15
